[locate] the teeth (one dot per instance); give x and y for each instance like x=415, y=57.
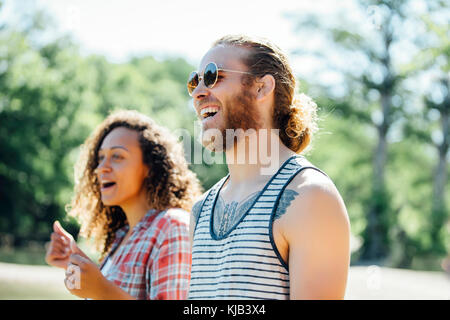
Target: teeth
x=207, y=110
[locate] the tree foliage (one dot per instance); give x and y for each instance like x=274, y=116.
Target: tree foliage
x=389, y=179
x=51, y=98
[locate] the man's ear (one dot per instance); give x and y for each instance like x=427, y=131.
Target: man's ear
x=265, y=86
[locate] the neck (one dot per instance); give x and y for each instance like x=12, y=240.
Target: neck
x=255, y=157
x=135, y=209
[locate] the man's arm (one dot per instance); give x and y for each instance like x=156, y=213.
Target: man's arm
x=317, y=230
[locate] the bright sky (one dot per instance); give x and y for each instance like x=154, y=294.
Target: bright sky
x=119, y=28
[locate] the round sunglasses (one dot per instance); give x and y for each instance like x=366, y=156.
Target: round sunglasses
x=210, y=75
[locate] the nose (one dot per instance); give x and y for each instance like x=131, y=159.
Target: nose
x=200, y=92
x=103, y=166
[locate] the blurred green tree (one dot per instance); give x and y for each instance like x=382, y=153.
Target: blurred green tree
x=430, y=125
x=51, y=98
x=368, y=63
x=37, y=116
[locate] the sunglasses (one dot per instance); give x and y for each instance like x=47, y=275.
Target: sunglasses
x=210, y=76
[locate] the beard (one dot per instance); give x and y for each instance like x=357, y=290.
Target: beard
x=240, y=117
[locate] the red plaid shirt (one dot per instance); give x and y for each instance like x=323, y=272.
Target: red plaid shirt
x=155, y=261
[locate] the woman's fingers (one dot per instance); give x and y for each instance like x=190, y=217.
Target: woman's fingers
x=57, y=240
x=59, y=249
x=78, y=260
x=60, y=230
x=57, y=236
x=57, y=246
x=75, y=249
x=58, y=252
x=57, y=260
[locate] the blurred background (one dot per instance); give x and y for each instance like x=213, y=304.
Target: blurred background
x=378, y=70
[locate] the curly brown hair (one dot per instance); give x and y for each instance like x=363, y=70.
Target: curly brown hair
x=294, y=114
x=169, y=184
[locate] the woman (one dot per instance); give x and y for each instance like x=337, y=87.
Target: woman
x=132, y=197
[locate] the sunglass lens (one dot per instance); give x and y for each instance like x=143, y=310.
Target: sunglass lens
x=192, y=82
x=210, y=75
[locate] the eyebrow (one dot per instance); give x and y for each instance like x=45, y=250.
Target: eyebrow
x=116, y=147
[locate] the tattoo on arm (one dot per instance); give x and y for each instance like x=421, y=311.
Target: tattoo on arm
x=285, y=200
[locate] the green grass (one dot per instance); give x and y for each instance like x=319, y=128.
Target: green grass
x=23, y=256
x=35, y=254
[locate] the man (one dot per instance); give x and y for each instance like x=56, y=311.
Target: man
x=263, y=233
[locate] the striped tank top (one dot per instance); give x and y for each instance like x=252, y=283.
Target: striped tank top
x=244, y=263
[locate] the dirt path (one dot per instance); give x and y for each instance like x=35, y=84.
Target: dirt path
x=19, y=281
x=42, y=282
x=391, y=284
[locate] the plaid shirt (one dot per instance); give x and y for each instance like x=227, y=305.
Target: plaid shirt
x=155, y=262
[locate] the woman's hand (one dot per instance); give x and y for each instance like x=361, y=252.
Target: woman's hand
x=85, y=280
x=83, y=277
x=58, y=251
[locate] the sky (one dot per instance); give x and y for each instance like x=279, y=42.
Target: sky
x=119, y=29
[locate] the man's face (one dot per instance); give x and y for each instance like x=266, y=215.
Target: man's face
x=232, y=104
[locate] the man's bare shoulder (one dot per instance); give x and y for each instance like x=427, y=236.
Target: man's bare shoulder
x=317, y=201
x=310, y=179
x=316, y=229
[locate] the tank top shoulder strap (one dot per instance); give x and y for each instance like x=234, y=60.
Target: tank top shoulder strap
x=305, y=164
x=211, y=195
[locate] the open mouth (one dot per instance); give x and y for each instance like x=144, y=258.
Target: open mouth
x=208, y=112
x=107, y=185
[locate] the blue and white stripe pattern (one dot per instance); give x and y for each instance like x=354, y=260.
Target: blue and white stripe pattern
x=245, y=263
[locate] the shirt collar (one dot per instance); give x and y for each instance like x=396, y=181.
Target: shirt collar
x=145, y=220
x=121, y=232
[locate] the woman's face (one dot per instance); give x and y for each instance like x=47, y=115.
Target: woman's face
x=121, y=170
